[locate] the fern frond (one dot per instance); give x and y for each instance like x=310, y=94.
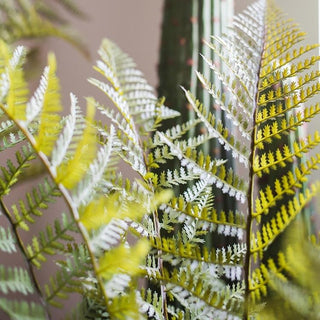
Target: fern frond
x=271, y=72
x=122, y=260
x=22, y=310
x=293, y=99
x=96, y=179
x=170, y=178
x=284, y=185
x=72, y=171
x=17, y=91
x=51, y=241
x=7, y=241
x=12, y=139
x=69, y=136
x=125, y=307
x=260, y=278
x=302, y=281
x=121, y=71
x=194, y=291
x=178, y=131
x=15, y=280
x=274, y=129
x=218, y=131
x=51, y=105
x=71, y=277
x=277, y=224
x=238, y=119
x=34, y=19
x=151, y=304
x=175, y=252
x=213, y=172
x=278, y=158
x=9, y=176
x=231, y=223
x=240, y=95
x=34, y=204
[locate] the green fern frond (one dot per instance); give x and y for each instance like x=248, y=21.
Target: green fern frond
x=188, y=288
x=71, y=277
x=121, y=71
x=7, y=241
x=22, y=310
x=240, y=94
x=183, y=211
x=277, y=224
x=272, y=160
x=51, y=241
x=151, y=304
x=101, y=171
x=284, y=185
x=175, y=252
x=274, y=129
x=15, y=280
x=260, y=279
x=289, y=297
x=178, y=131
x=34, y=204
x=70, y=135
x=9, y=175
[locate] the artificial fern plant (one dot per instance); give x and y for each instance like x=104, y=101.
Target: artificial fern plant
x=108, y=233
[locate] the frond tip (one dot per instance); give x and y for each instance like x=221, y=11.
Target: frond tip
x=69, y=173
x=51, y=106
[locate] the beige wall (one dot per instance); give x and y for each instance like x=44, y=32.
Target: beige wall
x=135, y=26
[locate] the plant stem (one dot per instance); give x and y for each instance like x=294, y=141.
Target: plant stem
x=251, y=190
x=247, y=263
x=160, y=266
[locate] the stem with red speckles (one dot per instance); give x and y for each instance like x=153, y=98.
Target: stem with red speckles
x=185, y=24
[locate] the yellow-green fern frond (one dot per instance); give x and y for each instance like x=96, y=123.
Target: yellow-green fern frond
x=123, y=260
x=25, y=19
x=14, y=88
x=49, y=122
x=298, y=295
x=69, y=173
x=275, y=129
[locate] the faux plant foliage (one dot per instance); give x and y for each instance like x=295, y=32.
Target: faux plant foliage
x=264, y=79
x=95, y=205
x=31, y=19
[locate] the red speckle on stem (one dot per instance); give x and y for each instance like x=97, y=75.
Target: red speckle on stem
x=189, y=106
x=216, y=107
x=203, y=130
x=175, y=22
x=190, y=62
x=216, y=19
x=182, y=41
x=193, y=20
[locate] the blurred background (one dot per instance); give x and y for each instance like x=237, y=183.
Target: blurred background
x=135, y=27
